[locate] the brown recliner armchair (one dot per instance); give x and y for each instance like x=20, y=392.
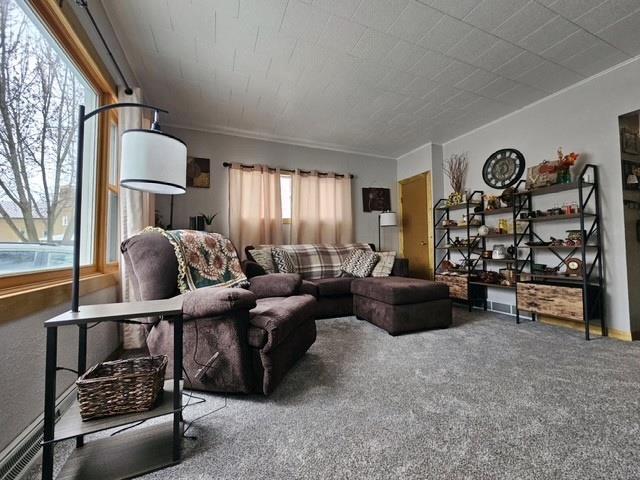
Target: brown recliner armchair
x=259, y=333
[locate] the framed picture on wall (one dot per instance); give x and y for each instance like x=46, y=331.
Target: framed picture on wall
x=376, y=199
x=198, y=172
x=629, y=141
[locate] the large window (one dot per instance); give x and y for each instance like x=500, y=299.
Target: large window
x=40, y=91
x=285, y=197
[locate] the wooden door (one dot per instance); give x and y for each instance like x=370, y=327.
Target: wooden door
x=417, y=235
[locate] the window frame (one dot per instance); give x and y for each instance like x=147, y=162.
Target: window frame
x=99, y=274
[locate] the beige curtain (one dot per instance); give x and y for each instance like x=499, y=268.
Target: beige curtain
x=137, y=211
x=255, y=210
x=321, y=208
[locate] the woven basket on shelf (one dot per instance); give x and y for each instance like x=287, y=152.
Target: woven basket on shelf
x=121, y=386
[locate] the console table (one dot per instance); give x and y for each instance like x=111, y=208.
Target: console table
x=127, y=454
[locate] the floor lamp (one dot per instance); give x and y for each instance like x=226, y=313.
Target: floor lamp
x=152, y=161
x=385, y=219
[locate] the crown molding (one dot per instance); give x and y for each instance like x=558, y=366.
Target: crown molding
x=268, y=137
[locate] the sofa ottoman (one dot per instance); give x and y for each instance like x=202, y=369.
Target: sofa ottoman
x=400, y=304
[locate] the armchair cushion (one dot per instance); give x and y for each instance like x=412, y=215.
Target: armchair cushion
x=279, y=316
x=275, y=285
x=214, y=301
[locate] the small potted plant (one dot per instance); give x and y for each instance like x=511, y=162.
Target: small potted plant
x=208, y=221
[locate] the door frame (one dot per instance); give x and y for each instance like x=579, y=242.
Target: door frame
x=427, y=176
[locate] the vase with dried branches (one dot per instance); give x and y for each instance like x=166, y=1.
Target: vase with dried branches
x=455, y=168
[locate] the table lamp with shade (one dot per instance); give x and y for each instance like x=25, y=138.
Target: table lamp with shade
x=385, y=219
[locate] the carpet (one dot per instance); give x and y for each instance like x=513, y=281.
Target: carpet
x=484, y=399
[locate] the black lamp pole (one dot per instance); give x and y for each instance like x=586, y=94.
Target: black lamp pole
x=82, y=118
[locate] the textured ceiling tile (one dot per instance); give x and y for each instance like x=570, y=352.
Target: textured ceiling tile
x=374, y=45
x=497, y=87
x=276, y=45
x=550, y=77
x=454, y=72
x=234, y=33
x=549, y=34
x=573, y=9
x=521, y=95
x=489, y=14
x=525, y=21
x=263, y=12
x=342, y=8
x=445, y=34
x=518, y=65
x=595, y=59
x=477, y=80
x=607, y=14
x=179, y=47
x=421, y=87
x=197, y=72
x=455, y=8
x=379, y=14
x=246, y=61
x=472, y=46
x=570, y=46
x=341, y=34
x=500, y=53
x=431, y=64
x=304, y=21
x=414, y=21
x=397, y=82
x=624, y=34
x=404, y=56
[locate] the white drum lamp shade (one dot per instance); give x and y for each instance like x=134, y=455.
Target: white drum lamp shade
x=153, y=161
x=388, y=219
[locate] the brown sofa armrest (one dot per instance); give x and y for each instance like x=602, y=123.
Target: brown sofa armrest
x=275, y=285
x=400, y=267
x=214, y=302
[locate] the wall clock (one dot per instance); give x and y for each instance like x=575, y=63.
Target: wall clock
x=574, y=266
x=503, y=168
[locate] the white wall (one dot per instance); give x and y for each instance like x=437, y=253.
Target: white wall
x=584, y=119
x=368, y=172
x=423, y=159
x=22, y=355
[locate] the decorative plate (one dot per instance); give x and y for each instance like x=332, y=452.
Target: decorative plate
x=503, y=168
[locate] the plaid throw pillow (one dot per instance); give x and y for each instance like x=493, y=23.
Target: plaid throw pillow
x=283, y=261
x=359, y=263
x=264, y=259
x=385, y=264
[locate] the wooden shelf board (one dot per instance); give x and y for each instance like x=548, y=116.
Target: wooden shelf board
x=554, y=218
x=460, y=206
x=560, y=187
x=71, y=424
x=493, y=285
x=457, y=227
x=496, y=211
x=497, y=235
x=505, y=260
x=126, y=455
x=117, y=311
x=565, y=247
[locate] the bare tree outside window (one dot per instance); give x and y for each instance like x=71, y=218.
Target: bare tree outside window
x=40, y=92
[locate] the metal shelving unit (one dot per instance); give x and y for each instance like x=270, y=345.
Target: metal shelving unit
x=590, y=248
x=128, y=454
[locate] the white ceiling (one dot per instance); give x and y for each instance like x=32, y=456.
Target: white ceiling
x=375, y=76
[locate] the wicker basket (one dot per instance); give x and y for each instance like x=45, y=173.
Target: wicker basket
x=122, y=386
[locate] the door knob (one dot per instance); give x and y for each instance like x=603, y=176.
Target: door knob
x=423, y=243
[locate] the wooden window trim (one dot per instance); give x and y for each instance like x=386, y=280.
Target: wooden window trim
x=47, y=288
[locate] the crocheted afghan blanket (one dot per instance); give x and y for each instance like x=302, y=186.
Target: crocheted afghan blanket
x=204, y=260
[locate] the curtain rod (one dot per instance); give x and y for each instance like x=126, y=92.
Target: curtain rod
x=227, y=164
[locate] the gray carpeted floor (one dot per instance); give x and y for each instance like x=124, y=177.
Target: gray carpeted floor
x=484, y=399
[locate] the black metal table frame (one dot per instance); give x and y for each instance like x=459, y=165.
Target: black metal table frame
x=51, y=369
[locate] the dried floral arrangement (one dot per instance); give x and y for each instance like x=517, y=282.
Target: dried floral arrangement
x=456, y=169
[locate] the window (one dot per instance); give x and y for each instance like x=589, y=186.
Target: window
x=113, y=191
x=38, y=142
x=285, y=197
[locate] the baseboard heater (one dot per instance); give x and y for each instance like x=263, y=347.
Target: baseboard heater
x=22, y=453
